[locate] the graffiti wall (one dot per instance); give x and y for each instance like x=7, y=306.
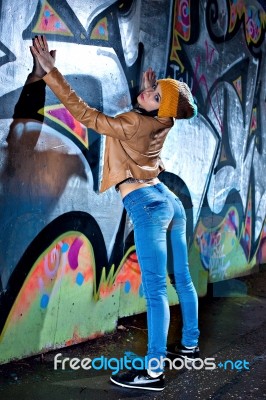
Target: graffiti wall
x=68, y=267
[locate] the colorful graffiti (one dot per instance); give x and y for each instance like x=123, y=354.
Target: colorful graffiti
x=68, y=267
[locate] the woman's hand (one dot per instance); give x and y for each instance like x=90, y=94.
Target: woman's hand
x=148, y=79
x=40, y=51
x=37, y=70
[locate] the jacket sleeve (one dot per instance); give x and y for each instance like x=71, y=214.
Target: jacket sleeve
x=122, y=127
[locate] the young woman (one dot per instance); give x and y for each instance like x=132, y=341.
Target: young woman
x=131, y=164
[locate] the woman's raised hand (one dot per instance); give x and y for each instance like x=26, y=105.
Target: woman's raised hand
x=148, y=79
x=40, y=50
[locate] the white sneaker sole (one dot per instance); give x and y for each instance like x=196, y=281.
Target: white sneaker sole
x=135, y=387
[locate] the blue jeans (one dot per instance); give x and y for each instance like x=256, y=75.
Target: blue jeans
x=157, y=214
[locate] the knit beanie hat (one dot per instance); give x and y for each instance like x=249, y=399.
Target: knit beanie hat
x=177, y=100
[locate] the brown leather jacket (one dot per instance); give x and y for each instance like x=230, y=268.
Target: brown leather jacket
x=134, y=141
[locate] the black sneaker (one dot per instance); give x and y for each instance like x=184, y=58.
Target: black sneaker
x=138, y=380
x=180, y=351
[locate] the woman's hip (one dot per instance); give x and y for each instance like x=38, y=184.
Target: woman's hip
x=148, y=205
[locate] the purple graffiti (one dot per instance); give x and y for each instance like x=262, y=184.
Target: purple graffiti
x=74, y=252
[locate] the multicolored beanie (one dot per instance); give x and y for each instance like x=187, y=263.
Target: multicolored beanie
x=177, y=100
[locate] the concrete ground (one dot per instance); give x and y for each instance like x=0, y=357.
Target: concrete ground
x=232, y=323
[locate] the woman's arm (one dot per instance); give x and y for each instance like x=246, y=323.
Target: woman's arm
x=122, y=127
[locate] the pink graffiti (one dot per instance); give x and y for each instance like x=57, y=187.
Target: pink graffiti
x=183, y=18
x=51, y=262
x=254, y=20
x=253, y=26
x=209, y=52
x=201, y=80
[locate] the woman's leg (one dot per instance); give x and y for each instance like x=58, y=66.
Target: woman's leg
x=151, y=216
x=151, y=251
x=187, y=294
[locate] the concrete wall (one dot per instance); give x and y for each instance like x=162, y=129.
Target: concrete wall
x=68, y=268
